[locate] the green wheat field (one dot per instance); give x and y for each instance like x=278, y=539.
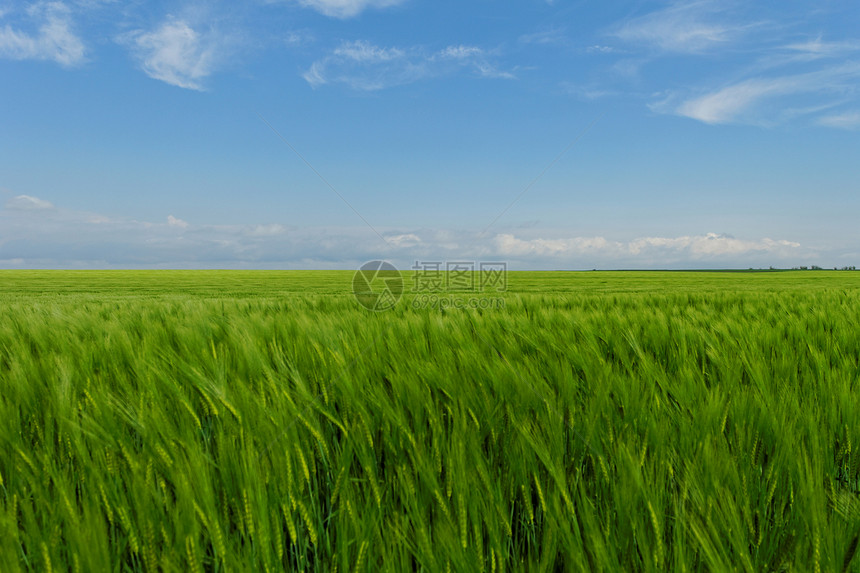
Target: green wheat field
x=264, y=421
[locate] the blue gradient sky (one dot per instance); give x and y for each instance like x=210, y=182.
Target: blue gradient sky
x=723, y=134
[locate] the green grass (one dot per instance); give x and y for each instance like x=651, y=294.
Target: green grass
x=246, y=421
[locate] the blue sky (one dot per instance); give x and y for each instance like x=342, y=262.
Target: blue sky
x=705, y=134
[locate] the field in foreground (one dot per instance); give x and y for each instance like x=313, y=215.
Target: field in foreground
x=245, y=421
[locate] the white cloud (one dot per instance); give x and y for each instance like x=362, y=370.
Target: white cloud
x=684, y=27
x=709, y=245
x=271, y=230
x=587, y=92
x=59, y=237
x=28, y=203
x=461, y=52
x=367, y=67
x=346, y=8
x=53, y=40
x=316, y=74
x=628, y=68
x=476, y=58
x=847, y=120
x=690, y=248
x=403, y=240
x=818, y=48
x=815, y=75
x=487, y=70
x=175, y=53
x=298, y=38
x=508, y=244
x=551, y=36
x=366, y=53
x=743, y=101
x=599, y=49
x=177, y=223
x=727, y=104
x=802, y=54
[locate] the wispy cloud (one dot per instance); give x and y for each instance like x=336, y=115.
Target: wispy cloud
x=461, y=52
x=367, y=67
x=806, y=54
x=729, y=103
x=744, y=101
x=347, y=8
x=777, y=78
x=588, y=92
x=54, y=38
x=600, y=49
x=298, y=37
x=364, y=66
x=818, y=48
x=27, y=203
x=489, y=71
x=846, y=120
x=366, y=53
x=476, y=58
x=683, y=27
x=176, y=53
x=548, y=37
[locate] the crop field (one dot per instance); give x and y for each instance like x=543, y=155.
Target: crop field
x=264, y=421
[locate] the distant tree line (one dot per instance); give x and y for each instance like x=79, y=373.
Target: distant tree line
x=817, y=268
x=812, y=268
